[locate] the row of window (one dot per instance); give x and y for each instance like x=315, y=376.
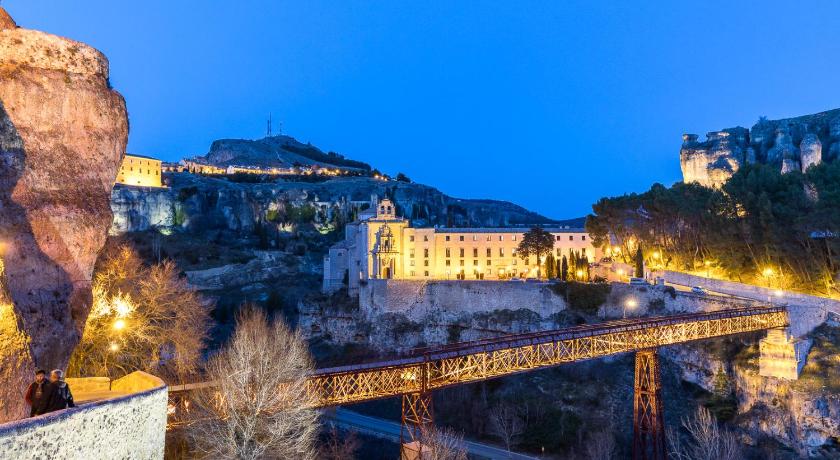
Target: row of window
x=140, y=170
x=488, y=252
x=489, y=238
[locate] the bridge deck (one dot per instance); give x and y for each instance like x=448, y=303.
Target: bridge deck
x=484, y=359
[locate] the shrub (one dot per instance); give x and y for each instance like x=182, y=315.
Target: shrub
x=583, y=297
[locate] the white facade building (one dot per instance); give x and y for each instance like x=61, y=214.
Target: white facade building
x=380, y=245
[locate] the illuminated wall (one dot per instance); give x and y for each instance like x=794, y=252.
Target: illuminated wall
x=140, y=171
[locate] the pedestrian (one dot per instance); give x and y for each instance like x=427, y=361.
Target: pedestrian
x=61, y=397
x=35, y=394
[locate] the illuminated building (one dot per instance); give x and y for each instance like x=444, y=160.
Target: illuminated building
x=140, y=171
x=381, y=245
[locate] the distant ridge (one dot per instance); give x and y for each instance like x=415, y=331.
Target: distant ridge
x=275, y=152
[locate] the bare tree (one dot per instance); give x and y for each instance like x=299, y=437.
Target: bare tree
x=339, y=446
x=143, y=318
x=601, y=446
x=259, y=407
x=442, y=444
x=707, y=441
x=506, y=424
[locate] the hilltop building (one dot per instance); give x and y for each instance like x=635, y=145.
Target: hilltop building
x=139, y=170
x=381, y=245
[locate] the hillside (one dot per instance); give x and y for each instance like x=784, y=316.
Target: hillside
x=274, y=152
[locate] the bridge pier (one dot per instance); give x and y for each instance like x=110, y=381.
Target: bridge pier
x=417, y=419
x=781, y=355
x=648, y=427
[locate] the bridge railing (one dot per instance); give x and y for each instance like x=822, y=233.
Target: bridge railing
x=490, y=358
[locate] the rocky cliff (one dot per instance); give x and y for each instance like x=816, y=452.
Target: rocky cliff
x=274, y=152
x=790, y=144
x=198, y=203
x=62, y=133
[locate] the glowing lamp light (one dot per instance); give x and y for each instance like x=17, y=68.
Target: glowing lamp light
x=631, y=303
x=119, y=324
x=656, y=254
x=114, y=347
x=778, y=293
x=579, y=273
x=706, y=263
x=768, y=272
x=408, y=375
x=620, y=272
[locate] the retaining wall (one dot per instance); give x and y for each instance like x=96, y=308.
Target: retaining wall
x=124, y=427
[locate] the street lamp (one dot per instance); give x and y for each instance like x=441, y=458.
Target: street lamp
x=630, y=303
x=119, y=324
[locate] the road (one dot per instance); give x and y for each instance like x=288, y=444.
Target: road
x=391, y=430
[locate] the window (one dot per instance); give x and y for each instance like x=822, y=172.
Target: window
x=489, y=237
x=426, y=263
x=460, y=237
x=426, y=273
x=462, y=263
x=411, y=262
x=447, y=237
x=557, y=238
x=513, y=252
x=447, y=252
x=411, y=238
x=501, y=237
x=425, y=237
x=489, y=262
x=571, y=237
x=447, y=263
x=412, y=272
x=513, y=238
x=559, y=252
x=489, y=252
x=514, y=261
x=475, y=252
x=425, y=252
x=475, y=263
x=501, y=252
x=462, y=252
x=411, y=253
x=583, y=237
x=475, y=237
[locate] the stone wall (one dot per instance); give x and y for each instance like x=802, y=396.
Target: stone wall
x=132, y=426
x=419, y=299
x=806, y=311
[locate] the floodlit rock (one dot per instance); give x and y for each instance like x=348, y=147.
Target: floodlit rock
x=712, y=162
x=62, y=133
x=791, y=144
x=810, y=151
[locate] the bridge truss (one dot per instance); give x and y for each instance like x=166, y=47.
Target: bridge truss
x=485, y=359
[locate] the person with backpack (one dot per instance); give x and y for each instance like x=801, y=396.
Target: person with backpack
x=61, y=397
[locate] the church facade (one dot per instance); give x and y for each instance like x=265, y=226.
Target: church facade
x=382, y=245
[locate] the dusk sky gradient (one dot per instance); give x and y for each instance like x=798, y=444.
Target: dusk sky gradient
x=550, y=104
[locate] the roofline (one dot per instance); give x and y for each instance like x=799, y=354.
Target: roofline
x=142, y=156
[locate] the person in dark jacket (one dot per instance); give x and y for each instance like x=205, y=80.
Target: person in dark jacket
x=35, y=393
x=61, y=397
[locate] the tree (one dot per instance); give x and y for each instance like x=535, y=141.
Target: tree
x=706, y=441
x=506, y=424
x=550, y=266
x=403, y=178
x=259, y=407
x=639, y=262
x=338, y=446
x=442, y=444
x=564, y=269
x=535, y=242
x=143, y=318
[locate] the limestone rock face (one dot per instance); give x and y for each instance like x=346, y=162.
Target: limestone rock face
x=62, y=133
x=810, y=151
x=791, y=144
x=712, y=162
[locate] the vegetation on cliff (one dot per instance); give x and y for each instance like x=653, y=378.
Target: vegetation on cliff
x=764, y=227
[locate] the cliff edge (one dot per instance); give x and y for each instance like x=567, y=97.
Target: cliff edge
x=62, y=134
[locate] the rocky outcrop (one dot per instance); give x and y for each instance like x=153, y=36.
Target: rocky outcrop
x=791, y=144
x=62, y=133
x=274, y=152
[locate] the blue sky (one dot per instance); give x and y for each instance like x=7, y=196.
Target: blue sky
x=547, y=104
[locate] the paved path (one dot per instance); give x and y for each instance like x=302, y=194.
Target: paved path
x=391, y=430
